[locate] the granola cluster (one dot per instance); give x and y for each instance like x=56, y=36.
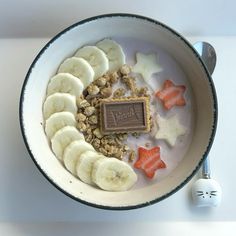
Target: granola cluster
x=112, y=145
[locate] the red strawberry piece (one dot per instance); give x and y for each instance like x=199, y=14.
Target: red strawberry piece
x=171, y=95
x=149, y=161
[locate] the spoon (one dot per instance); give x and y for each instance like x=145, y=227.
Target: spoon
x=207, y=54
x=206, y=192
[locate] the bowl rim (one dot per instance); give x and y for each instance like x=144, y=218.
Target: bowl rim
x=213, y=92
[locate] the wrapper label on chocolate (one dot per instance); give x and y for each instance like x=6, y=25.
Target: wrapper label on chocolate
x=125, y=115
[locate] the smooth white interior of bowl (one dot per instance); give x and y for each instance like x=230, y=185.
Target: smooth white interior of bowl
x=89, y=33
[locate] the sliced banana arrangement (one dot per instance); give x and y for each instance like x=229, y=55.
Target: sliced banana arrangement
x=78, y=67
x=65, y=83
x=84, y=166
x=58, y=102
x=113, y=175
x=59, y=111
x=114, y=53
x=57, y=121
x=62, y=138
x=72, y=154
x=96, y=58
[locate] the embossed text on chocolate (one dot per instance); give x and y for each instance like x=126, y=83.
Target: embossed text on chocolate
x=125, y=115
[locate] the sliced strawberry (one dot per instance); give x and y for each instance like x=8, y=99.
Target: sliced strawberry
x=168, y=83
x=171, y=95
x=149, y=161
x=150, y=174
x=181, y=102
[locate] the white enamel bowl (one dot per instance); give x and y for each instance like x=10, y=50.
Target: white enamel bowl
x=90, y=31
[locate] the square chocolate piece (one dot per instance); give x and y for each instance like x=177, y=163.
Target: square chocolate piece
x=125, y=115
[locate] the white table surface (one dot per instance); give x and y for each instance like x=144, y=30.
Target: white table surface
x=26, y=196
x=45, y=18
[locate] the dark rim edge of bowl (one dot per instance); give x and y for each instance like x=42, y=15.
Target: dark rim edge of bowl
x=215, y=111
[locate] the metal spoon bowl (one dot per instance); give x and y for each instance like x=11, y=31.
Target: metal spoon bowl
x=207, y=54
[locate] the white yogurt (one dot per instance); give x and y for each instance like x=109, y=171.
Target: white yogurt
x=172, y=156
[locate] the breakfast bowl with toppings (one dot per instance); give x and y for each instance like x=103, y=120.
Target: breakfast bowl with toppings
x=118, y=111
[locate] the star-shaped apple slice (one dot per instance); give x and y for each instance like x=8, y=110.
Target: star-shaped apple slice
x=146, y=65
x=171, y=95
x=169, y=129
x=149, y=161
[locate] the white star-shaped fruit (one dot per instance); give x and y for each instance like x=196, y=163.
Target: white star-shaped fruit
x=169, y=129
x=146, y=65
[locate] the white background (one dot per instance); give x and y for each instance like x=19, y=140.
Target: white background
x=26, y=196
x=27, y=18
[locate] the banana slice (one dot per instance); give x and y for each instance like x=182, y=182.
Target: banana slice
x=96, y=58
x=78, y=67
x=85, y=164
x=58, y=102
x=65, y=83
x=114, y=52
x=113, y=175
x=72, y=154
x=62, y=138
x=57, y=121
